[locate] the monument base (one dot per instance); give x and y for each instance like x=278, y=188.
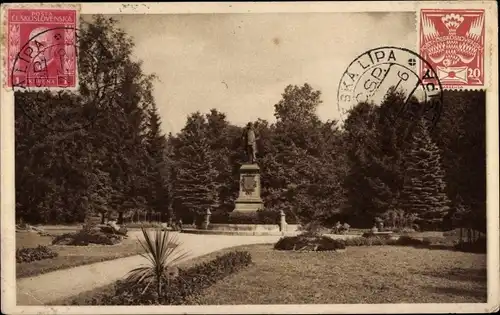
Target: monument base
x=247, y=207
x=249, y=200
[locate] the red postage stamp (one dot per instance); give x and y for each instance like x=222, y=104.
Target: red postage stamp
x=41, y=49
x=452, y=41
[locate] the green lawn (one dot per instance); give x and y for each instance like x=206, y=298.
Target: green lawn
x=70, y=256
x=379, y=274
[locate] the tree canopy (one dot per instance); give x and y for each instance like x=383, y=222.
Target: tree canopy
x=101, y=150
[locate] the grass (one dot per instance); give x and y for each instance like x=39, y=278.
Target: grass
x=70, y=256
x=387, y=274
x=85, y=296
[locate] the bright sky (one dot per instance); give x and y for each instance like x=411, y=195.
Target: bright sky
x=241, y=63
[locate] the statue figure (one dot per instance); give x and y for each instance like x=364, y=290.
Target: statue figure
x=249, y=141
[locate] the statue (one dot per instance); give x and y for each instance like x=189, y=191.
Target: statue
x=249, y=141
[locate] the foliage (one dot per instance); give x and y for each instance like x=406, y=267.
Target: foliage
x=26, y=255
x=461, y=136
x=378, y=141
x=303, y=165
x=424, y=187
x=85, y=237
x=113, y=159
x=195, y=188
x=478, y=246
x=368, y=241
x=162, y=252
x=90, y=151
x=309, y=242
x=188, y=283
x=259, y=217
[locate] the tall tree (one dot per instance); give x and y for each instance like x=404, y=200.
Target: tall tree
x=159, y=193
x=461, y=135
x=84, y=152
x=299, y=171
x=360, y=138
x=195, y=188
x=424, y=190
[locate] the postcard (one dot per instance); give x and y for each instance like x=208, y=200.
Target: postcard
x=249, y=157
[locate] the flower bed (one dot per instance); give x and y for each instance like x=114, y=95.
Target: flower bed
x=86, y=237
x=186, y=284
x=305, y=242
x=26, y=255
x=325, y=243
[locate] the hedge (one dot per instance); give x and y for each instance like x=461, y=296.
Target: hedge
x=259, y=217
x=26, y=255
x=309, y=242
x=86, y=237
x=189, y=283
x=478, y=246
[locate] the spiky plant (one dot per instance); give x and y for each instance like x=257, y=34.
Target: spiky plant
x=162, y=252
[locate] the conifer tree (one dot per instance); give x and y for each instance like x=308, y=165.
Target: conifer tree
x=424, y=190
x=158, y=198
x=195, y=187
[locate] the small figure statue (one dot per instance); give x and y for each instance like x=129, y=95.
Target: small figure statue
x=250, y=143
x=337, y=227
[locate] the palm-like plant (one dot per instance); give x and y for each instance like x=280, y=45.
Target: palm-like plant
x=162, y=251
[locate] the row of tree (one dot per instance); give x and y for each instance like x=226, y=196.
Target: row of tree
x=101, y=150
x=94, y=151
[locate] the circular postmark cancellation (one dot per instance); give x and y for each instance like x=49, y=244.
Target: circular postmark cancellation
x=372, y=74
x=45, y=72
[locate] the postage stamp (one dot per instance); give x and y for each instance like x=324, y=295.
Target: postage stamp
x=250, y=158
x=41, y=48
x=453, y=42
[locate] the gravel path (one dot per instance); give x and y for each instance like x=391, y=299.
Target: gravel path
x=65, y=283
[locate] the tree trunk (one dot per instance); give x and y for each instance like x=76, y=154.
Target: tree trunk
x=102, y=218
x=120, y=217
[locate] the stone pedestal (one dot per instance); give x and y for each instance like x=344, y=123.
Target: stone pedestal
x=249, y=198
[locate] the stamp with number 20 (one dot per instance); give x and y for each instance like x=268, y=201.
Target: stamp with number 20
x=452, y=41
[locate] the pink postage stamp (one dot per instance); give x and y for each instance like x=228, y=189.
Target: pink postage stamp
x=41, y=48
x=452, y=41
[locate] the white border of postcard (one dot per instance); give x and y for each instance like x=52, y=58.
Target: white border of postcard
x=7, y=165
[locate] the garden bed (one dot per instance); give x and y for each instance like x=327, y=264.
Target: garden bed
x=70, y=256
x=387, y=274
x=187, y=284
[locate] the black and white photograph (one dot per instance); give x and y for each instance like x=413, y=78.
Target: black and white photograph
x=250, y=156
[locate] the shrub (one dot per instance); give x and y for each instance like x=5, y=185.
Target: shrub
x=368, y=241
x=26, y=255
x=309, y=241
x=189, y=282
x=371, y=234
x=478, y=246
x=411, y=241
x=135, y=225
x=85, y=237
x=162, y=252
x=259, y=217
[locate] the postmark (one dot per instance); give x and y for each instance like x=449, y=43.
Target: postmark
x=370, y=76
x=453, y=42
x=41, y=50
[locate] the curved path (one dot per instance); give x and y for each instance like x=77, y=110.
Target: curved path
x=61, y=284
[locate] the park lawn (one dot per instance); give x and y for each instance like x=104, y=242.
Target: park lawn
x=378, y=274
x=70, y=256
x=84, y=297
